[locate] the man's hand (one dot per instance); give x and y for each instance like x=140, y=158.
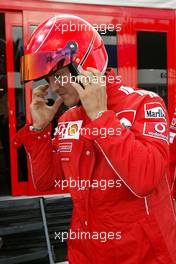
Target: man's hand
x=42, y=114
x=93, y=97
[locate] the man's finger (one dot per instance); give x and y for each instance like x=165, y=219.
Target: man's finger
x=57, y=104
x=41, y=88
x=87, y=73
x=94, y=71
x=99, y=76
x=78, y=88
x=41, y=91
x=39, y=95
x=85, y=80
x=38, y=100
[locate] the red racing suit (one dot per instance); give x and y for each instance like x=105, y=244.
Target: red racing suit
x=132, y=220
x=173, y=153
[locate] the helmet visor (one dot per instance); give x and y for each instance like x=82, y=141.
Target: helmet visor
x=38, y=65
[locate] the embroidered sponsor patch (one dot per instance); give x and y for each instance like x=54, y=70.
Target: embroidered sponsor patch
x=154, y=110
x=126, y=117
x=156, y=130
x=69, y=130
x=65, y=147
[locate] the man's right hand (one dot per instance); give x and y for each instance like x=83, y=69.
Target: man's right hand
x=42, y=114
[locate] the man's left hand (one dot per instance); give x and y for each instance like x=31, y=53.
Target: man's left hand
x=93, y=97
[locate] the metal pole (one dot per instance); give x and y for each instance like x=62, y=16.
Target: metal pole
x=46, y=231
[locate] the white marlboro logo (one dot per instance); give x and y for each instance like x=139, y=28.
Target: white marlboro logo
x=154, y=110
x=69, y=130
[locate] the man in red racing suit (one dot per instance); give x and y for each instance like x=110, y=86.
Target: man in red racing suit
x=111, y=147
x=136, y=212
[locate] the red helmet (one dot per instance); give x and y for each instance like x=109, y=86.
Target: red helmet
x=60, y=41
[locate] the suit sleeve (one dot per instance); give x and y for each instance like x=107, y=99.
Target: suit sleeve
x=138, y=155
x=173, y=165
x=173, y=140
x=43, y=158
x=173, y=153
